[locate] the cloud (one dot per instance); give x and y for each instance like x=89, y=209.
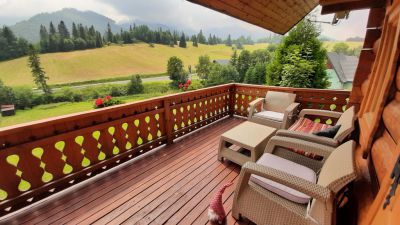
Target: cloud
x=179, y=13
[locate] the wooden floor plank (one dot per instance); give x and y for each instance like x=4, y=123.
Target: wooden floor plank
x=81, y=196
x=141, y=191
x=190, y=211
x=197, y=192
x=174, y=184
x=170, y=197
x=228, y=194
x=154, y=175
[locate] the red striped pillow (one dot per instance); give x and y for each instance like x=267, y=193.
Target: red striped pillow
x=308, y=126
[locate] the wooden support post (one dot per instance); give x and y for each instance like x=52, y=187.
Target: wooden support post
x=168, y=122
x=232, y=93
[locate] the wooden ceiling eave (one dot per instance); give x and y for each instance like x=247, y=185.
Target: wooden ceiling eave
x=333, y=6
x=278, y=16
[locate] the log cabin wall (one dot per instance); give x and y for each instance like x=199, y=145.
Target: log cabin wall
x=378, y=109
x=377, y=88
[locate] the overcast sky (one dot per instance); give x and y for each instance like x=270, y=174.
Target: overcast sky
x=169, y=12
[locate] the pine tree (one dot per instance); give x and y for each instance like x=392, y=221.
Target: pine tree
x=52, y=29
x=194, y=41
x=75, y=32
x=63, y=30
x=135, y=86
x=53, y=39
x=228, y=41
x=182, y=41
x=300, y=59
x=44, y=39
x=200, y=38
x=109, y=35
x=39, y=76
x=99, y=40
x=82, y=32
x=210, y=40
x=234, y=59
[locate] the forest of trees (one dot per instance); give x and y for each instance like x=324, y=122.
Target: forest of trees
x=58, y=38
x=11, y=47
x=61, y=40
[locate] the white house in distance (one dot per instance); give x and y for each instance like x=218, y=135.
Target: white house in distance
x=341, y=70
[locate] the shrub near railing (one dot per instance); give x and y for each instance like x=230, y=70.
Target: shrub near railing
x=41, y=158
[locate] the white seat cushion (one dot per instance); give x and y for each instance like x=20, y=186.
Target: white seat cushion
x=276, y=116
x=289, y=167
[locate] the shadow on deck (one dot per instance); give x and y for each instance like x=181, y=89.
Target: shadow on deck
x=172, y=186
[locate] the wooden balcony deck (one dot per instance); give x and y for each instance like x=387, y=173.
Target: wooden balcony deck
x=172, y=186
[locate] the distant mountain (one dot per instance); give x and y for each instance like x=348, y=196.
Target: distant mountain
x=29, y=29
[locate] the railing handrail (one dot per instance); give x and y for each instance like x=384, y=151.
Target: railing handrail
x=94, y=112
x=58, y=147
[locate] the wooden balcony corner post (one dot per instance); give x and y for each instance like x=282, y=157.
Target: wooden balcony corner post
x=232, y=93
x=168, y=122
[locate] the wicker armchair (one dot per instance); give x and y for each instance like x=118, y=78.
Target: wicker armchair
x=345, y=119
x=265, y=206
x=278, y=109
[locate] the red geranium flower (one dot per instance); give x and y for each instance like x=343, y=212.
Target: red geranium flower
x=186, y=85
x=189, y=82
x=180, y=85
x=108, y=97
x=99, y=102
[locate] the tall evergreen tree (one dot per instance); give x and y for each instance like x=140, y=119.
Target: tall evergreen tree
x=109, y=34
x=194, y=41
x=99, y=40
x=201, y=38
x=228, y=41
x=82, y=32
x=182, y=41
x=210, y=40
x=75, y=32
x=300, y=59
x=234, y=59
x=44, y=39
x=39, y=76
x=63, y=30
x=53, y=39
x=11, y=47
x=52, y=29
x=243, y=64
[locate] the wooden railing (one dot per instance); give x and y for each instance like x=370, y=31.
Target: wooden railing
x=44, y=157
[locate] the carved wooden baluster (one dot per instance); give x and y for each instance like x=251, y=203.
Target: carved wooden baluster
x=177, y=118
x=10, y=177
x=109, y=142
x=143, y=131
x=87, y=155
x=28, y=168
x=185, y=117
x=52, y=158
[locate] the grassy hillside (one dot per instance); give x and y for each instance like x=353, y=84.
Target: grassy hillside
x=115, y=61
x=111, y=61
x=352, y=44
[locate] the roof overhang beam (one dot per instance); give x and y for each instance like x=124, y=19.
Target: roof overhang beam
x=329, y=6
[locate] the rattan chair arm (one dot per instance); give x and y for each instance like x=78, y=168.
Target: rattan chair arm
x=293, y=143
x=308, y=137
x=311, y=189
x=253, y=105
x=317, y=112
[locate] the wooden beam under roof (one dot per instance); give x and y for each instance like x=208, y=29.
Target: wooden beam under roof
x=333, y=6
